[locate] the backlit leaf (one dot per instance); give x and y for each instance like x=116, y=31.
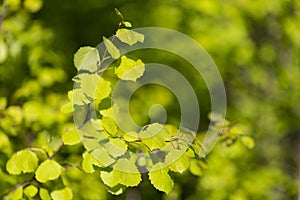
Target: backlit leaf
x=248, y=142
x=130, y=69
x=111, y=48
x=48, y=170
x=129, y=176
x=86, y=58
x=64, y=194
x=71, y=137
x=129, y=37
x=160, y=178
x=177, y=161
x=23, y=161
x=15, y=195
x=44, y=194
x=30, y=191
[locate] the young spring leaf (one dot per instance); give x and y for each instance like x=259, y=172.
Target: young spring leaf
x=109, y=178
x=129, y=176
x=44, y=194
x=86, y=58
x=88, y=163
x=116, y=147
x=109, y=125
x=195, y=168
x=116, y=190
x=160, y=178
x=129, y=37
x=48, y=170
x=130, y=69
x=65, y=194
x=15, y=195
x=177, y=161
x=71, y=137
x=30, y=191
x=23, y=161
x=247, y=142
x=111, y=48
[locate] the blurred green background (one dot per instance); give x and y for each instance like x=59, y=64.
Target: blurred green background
x=255, y=44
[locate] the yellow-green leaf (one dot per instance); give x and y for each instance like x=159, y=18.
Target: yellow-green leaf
x=71, y=137
x=86, y=58
x=130, y=69
x=15, y=195
x=177, y=161
x=109, y=125
x=160, y=178
x=23, y=161
x=111, y=48
x=30, y=191
x=88, y=162
x=248, y=142
x=48, y=170
x=64, y=194
x=44, y=194
x=129, y=37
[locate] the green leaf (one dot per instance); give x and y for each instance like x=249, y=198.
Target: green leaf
x=129, y=176
x=64, y=194
x=127, y=24
x=23, y=161
x=102, y=156
x=248, y=142
x=130, y=69
x=116, y=190
x=86, y=58
x=129, y=37
x=160, y=178
x=103, y=89
x=154, y=136
x=44, y=194
x=48, y=170
x=71, y=137
x=88, y=162
x=109, y=178
x=15, y=195
x=195, y=168
x=130, y=136
x=30, y=191
x=116, y=147
x=111, y=48
x=88, y=84
x=177, y=161
x=109, y=125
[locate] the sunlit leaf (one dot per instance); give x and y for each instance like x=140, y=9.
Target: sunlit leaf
x=23, y=161
x=130, y=69
x=30, y=191
x=48, y=170
x=44, y=194
x=111, y=48
x=15, y=195
x=179, y=162
x=86, y=58
x=71, y=137
x=129, y=37
x=64, y=194
x=248, y=142
x=160, y=178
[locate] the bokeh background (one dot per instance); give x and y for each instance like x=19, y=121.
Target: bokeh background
x=255, y=44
